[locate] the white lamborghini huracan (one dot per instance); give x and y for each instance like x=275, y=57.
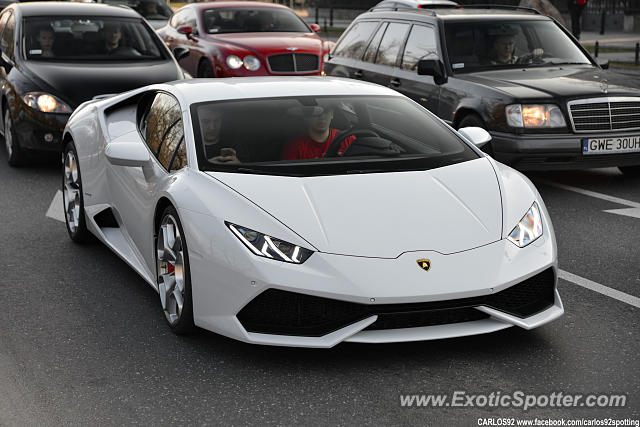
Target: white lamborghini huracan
x=309, y=211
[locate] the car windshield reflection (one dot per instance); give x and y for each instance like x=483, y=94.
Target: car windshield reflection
x=89, y=38
x=252, y=20
x=476, y=46
x=323, y=135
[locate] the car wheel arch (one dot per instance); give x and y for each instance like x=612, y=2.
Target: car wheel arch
x=162, y=204
x=464, y=112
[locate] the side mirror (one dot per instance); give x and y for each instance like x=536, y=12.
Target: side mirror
x=180, y=52
x=432, y=67
x=316, y=28
x=127, y=154
x=603, y=63
x=187, y=31
x=476, y=135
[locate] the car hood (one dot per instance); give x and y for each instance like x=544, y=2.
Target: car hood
x=76, y=83
x=449, y=209
x=570, y=82
x=270, y=43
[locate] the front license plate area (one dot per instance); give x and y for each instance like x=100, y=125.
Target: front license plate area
x=623, y=144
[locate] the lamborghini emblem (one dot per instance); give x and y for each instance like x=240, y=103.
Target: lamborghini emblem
x=424, y=264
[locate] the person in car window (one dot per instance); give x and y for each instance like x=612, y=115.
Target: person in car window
x=149, y=9
x=211, y=130
x=112, y=41
x=314, y=143
x=45, y=38
x=503, y=50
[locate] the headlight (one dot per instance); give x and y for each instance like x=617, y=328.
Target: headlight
x=46, y=103
x=251, y=63
x=270, y=247
x=528, y=229
x=534, y=116
x=234, y=62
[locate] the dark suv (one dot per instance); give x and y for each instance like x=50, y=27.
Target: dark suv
x=521, y=75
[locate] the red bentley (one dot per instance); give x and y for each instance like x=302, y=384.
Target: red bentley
x=244, y=38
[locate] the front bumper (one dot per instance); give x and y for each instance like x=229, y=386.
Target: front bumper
x=556, y=151
x=38, y=131
x=395, y=299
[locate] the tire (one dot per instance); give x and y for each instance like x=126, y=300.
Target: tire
x=473, y=120
x=205, y=70
x=173, y=275
x=73, y=196
x=630, y=170
x=15, y=154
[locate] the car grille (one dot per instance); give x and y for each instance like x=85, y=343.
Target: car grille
x=294, y=63
x=605, y=114
x=280, y=312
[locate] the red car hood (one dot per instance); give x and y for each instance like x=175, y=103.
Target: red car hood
x=270, y=43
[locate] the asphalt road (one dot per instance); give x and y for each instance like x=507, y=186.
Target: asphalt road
x=83, y=339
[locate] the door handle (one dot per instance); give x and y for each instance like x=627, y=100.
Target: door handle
x=357, y=74
x=395, y=82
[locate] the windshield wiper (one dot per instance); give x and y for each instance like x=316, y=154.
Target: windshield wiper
x=263, y=172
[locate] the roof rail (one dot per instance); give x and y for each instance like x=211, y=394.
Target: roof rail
x=500, y=6
x=398, y=8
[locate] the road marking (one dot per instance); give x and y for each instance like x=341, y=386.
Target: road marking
x=56, y=211
x=601, y=289
x=633, y=210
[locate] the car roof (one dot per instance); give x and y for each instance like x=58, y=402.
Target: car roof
x=417, y=3
x=54, y=8
x=220, y=4
x=203, y=90
x=469, y=13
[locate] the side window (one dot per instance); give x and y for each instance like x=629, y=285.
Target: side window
x=370, y=54
x=7, y=42
x=164, y=133
x=355, y=41
x=421, y=44
x=391, y=44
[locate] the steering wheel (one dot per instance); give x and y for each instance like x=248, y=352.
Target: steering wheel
x=534, y=57
x=332, y=149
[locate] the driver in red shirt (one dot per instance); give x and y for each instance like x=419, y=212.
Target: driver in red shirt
x=314, y=143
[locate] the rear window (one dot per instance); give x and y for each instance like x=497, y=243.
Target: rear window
x=89, y=38
x=323, y=135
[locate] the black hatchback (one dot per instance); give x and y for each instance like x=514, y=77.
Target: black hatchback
x=57, y=55
x=546, y=102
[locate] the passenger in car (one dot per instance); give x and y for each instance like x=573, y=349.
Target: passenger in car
x=46, y=39
x=319, y=135
x=211, y=130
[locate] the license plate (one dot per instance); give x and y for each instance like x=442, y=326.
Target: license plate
x=623, y=144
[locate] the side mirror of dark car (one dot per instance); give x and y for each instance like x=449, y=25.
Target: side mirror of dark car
x=603, y=63
x=432, y=67
x=316, y=28
x=180, y=52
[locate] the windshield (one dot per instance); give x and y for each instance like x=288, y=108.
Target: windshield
x=252, y=20
x=323, y=136
x=89, y=38
x=149, y=9
x=506, y=44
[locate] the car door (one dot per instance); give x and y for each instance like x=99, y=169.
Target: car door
x=134, y=190
x=382, y=54
x=422, y=43
x=346, y=57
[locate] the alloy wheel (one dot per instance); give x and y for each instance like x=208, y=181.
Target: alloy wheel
x=72, y=191
x=170, y=267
